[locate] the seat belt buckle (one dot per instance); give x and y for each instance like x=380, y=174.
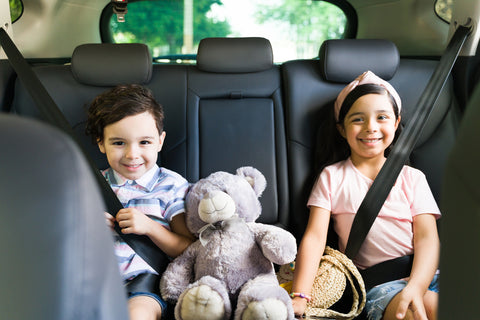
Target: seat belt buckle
x=120, y=9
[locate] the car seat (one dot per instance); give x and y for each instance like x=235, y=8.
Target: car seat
x=57, y=252
x=460, y=205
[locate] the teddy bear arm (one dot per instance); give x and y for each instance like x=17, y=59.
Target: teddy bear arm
x=278, y=245
x=178, y=275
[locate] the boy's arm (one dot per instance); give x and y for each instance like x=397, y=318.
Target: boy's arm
x=173, y=244
x=426, y=246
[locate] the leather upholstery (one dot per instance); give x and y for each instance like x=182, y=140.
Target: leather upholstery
x=57, y=251
x=234, y=55
x=235, y=117
x=459, y=255
x=343, y=60
x=109, y=64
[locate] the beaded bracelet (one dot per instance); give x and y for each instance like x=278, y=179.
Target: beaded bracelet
x=301, y=295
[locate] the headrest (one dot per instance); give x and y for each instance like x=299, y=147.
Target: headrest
x=345, y=59
x=109, y=64
x=234, y=55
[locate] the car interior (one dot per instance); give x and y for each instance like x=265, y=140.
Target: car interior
x=234, y=106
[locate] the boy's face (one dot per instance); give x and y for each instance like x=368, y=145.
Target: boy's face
x=132, y=145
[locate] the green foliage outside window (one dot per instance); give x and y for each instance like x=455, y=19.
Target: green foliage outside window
x=444, y=9
x=295, y=28
x=159, y=24
x=16, y=9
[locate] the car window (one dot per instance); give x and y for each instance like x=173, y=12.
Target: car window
x=443, y=8
x=173, y=30
x=16, y=9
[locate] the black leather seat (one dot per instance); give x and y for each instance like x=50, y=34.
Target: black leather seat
x=57, y=252
x=459, y=254
x=235, y=117
x=98, y=67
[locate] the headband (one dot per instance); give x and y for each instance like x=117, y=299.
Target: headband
x=367, y=77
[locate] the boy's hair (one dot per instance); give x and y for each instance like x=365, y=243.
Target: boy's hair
x=331, y=146
x=119, y=102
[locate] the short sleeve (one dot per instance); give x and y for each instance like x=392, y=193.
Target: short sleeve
x=176, y=203
x=322, y=192
x=423, y=199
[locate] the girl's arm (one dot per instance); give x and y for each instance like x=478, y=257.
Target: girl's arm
x=426, y=246
x=173, y=243
x=309, y=255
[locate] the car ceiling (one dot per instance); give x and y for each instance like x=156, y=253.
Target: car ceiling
x=411, y=24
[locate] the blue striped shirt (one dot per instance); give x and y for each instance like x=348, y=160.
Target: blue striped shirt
x=159, y=194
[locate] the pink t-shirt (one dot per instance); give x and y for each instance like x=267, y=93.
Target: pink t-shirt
x=341, y=188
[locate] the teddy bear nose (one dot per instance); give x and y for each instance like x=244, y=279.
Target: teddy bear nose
x=216, y=206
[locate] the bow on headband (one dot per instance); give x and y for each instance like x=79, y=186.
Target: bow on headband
x=367, y=77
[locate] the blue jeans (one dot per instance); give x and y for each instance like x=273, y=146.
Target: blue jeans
x=380, y=296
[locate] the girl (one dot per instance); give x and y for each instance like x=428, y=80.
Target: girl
x=367, y=116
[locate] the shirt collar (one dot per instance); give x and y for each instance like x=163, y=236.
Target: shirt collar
x=146, y=181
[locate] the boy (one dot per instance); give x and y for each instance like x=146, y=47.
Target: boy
x=127, y=124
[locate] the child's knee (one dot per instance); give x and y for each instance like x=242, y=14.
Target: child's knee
x=144, y=307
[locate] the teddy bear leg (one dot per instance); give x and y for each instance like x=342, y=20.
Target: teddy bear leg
x=206, y=299
x=263, y=298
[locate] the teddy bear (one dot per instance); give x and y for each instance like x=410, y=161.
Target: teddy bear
x=229, y=271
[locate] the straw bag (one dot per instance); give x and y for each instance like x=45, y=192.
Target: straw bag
x=337, y=279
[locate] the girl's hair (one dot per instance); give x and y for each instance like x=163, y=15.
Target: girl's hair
x=331, y=146
x=120, y=102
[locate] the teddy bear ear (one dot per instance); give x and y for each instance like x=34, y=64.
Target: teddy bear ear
x=254, y=177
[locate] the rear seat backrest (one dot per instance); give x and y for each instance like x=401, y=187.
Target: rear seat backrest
x=311, y=86
x=98, y=67
x=235, y=117
x=53, y=234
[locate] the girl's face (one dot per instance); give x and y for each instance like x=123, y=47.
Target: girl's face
x=132, y=145
x=369, y=127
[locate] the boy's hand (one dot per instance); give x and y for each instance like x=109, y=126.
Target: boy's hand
x=131, y=220
x=109, y=219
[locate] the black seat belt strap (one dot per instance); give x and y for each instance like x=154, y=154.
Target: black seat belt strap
x=387, y=176
x=142, y=245
x=386, y=271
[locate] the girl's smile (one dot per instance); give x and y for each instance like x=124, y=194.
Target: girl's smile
x=369, y=127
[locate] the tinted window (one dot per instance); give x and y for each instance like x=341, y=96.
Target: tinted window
x=295, y=28
x=444, y=9
x=16, y=9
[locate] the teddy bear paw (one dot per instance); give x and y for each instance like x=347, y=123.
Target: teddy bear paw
x=202, y=303
x=271, y=308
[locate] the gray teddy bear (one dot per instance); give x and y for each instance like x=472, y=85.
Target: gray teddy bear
x=229, y=269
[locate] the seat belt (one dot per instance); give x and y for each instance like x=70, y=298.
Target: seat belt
x=141, y=244
x=378, y=192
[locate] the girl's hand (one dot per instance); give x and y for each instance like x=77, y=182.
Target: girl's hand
x=109, y=219
x=299, y=306
x=411, y=298
x=132, y=220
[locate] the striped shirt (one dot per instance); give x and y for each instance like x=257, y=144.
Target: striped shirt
x=160, y=195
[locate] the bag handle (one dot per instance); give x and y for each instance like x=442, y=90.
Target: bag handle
x=383, y=183
x=141, y=244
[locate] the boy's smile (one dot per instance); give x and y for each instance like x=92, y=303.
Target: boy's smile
x=132, y=145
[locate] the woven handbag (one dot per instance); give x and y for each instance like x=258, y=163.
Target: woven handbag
x=335, y=274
